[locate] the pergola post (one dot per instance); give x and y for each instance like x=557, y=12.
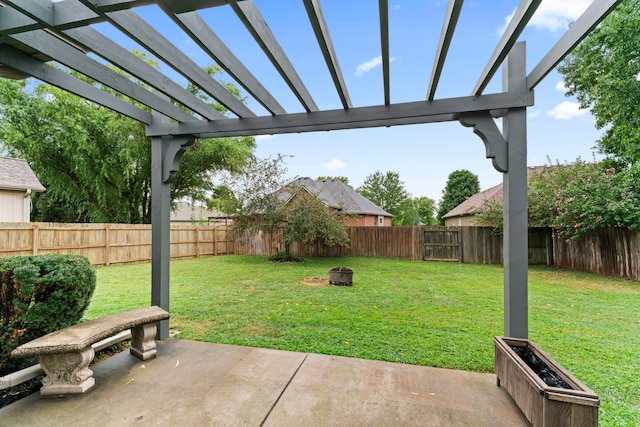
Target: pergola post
x=165, y=160
x=515, y=240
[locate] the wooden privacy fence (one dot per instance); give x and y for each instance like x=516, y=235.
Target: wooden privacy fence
x=610, y=252
x=384, y=242
x=105, y=244
x=481, y=245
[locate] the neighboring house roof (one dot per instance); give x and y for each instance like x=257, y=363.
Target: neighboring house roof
x=474, y=204
x=336, y=194
x=185, y=212
x=16, y=174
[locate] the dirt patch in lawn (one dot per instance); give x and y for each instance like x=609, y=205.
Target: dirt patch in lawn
x=315, y=281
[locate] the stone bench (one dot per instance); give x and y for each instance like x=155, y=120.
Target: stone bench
x=65, y=354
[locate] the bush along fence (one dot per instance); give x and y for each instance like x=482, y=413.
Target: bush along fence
x=105, y=244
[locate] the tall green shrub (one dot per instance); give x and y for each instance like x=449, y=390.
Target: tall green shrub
x=38, y=295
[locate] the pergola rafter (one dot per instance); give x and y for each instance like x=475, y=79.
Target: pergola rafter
x=34, y=32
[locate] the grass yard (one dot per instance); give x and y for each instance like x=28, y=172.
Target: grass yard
x=422, y=313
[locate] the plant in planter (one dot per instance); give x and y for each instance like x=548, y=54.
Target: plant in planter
x=547, y=393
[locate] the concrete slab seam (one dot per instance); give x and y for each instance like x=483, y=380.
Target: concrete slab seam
x=275, y=403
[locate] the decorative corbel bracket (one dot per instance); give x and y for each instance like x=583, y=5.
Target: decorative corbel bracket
x=172, y=150
x=485, y=127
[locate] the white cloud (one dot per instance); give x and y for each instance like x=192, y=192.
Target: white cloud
x=396, y=6
x=533, y=114
x=638, y=77
x=335, y=164
x=566, y=111
x=561, y=86
x=369, y=65
x=553, y=15
x=558, y=14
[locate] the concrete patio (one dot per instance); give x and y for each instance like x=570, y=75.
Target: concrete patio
x=197, y=384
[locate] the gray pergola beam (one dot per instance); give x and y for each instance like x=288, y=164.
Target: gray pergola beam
x=448, y=28
x=193, y=25
x=72, y=14
x=63, y=53
x=376, y=116
x=110, y=51
x=521, y=17
x=141, y=32
x=22, y=62
x=12, y=21
x=383, y=7
x=58, y=15
x=256, y=25
x=203, y=80
x=321, y=30
x=595, y=13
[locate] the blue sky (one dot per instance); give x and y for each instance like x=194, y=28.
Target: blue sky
x=423, y=155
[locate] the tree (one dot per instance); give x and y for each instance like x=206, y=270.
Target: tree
x=308, y=220
x=95, y=162
x=387, y=191
x=416, y=211
x=576, y=199
x=604, y=198
x=265, y=202
x=253, y=194
x=426, y=208
x=544, y=186
x=604, y=73
x=461, y=184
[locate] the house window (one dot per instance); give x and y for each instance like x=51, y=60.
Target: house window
x=380, y=220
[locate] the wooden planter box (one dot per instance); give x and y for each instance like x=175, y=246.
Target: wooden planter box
x=543, y=405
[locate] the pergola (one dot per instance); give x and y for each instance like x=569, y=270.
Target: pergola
x=34, y=32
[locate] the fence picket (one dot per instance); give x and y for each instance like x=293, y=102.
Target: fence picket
x=106, y=244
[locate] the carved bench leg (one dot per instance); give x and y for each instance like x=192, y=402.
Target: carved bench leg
x=143, y=344
x=67, y=373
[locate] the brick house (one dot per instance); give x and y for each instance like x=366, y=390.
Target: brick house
x=338, y=195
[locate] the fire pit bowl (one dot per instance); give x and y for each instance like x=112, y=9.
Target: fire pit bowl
x=342, y=276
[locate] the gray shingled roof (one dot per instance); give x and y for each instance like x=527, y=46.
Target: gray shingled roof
x=16, y=174
x=337, y=194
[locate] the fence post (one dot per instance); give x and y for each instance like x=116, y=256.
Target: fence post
x=197, y=241
x=34, y=239
x=107, y=246
x=461, y=236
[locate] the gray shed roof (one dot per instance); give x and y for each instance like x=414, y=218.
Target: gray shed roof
x=16, y=174
x=337, y=194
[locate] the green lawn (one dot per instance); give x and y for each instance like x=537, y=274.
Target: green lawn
x=422, y=313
